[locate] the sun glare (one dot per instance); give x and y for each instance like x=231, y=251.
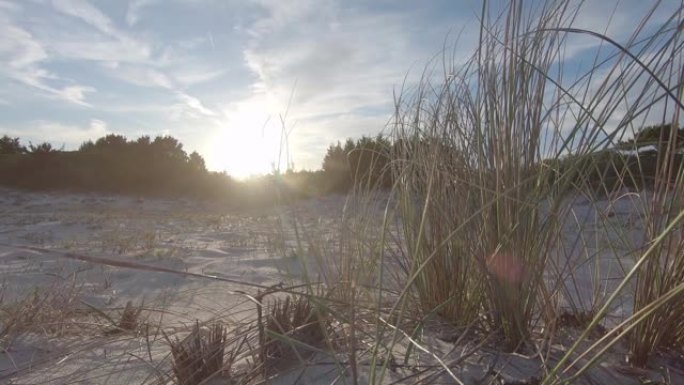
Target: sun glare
x=249, y=141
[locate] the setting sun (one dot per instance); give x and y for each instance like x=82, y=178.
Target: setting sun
x=249, y=142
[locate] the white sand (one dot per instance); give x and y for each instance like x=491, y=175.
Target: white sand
x=247, y=246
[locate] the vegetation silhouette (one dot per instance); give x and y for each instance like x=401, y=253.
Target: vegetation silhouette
x=161, y=167
x=655, y=138
x=361, y=162
x=112, y=164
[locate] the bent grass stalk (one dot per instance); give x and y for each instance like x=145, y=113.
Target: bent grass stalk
x=551, y=378
x=626, y=326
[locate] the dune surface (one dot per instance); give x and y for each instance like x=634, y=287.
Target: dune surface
x=82, y=257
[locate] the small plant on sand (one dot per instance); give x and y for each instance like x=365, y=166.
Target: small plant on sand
x=52, y=311
x=129, y=320
x=293, y=328
x=130, y=316
x=200, y=355
x=15, y=317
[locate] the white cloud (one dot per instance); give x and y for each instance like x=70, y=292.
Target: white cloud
x=85, y=46
x=109, y=43
x=8, y=6
x=135, y=10
x=139, y=75
x=20, y=53
x=190, y=77
x=190, y=107
x=98, y=127
x=84, y=11
x=75, y=94
x=22, y=57
x=121, y=55
x=69, y=136
x=18, y=48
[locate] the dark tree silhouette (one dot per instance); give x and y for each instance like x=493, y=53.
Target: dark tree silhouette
x=87, y=146
x=143, y=141
x=369, y=160
x=360, y=162
x=160, y=166
x=168, y=147
x=336, y=168
x=657, y=137
x=9, y=146
x=43, y=148
x=113, y=164
x=112, y=141
x=196, y=162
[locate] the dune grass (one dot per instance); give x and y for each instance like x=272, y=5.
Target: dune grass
x=665, y=270
x=483, y=207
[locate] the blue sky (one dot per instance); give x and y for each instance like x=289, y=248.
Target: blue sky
x=220, y=74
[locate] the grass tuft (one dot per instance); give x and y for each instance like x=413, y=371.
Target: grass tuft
x=200, y=355
x=293, y=328
x=663, y=328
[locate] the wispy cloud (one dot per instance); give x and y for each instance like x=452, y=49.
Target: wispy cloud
x=75, y=94
x=135, y=10
x=190, y=106
x=190, y=77
x=103, y=41
x=58, y=134
x=23, y=58
x=84, y=11
x=139, y=75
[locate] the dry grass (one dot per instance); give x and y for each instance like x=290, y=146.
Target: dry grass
x=128, y=321
x=294, y=328
x=468, y=178
x=663, y=272
x=200, y=355
x=51, y=311
x=130, y=317
x=483, y=206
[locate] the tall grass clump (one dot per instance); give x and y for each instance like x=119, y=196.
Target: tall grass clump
x=488, y=154
x=663, y=272
x=479, y=216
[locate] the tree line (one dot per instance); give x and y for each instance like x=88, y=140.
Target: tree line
x=635, y=163
x=161, y=167
x=112, y=163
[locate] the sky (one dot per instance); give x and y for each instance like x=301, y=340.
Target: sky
x=243, y=82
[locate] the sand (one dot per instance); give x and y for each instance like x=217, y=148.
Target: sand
x=185, y=261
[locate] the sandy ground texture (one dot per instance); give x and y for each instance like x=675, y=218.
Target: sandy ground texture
x=78, y=259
